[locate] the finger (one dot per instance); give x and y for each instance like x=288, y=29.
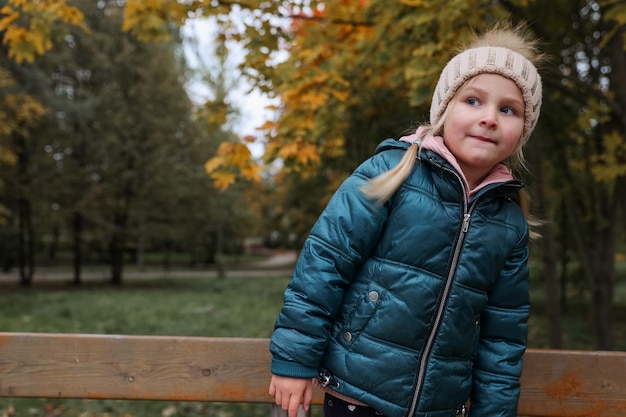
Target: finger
x=284, y=401
x=278, y=397
x=294, y=404
x=308, y=397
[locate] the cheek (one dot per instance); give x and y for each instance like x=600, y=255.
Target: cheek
x=514, y=133
x=513, y=141
x=456, y=124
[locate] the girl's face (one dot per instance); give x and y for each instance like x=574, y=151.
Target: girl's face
x=484, y=125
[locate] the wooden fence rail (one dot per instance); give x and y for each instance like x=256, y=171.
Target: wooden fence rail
x=554, y=384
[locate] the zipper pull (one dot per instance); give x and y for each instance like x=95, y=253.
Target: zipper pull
x=466, y=222
x=462, y=411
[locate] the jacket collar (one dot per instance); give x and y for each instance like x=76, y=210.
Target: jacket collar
x=499, y=174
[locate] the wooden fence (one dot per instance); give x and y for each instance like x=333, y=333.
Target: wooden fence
x=554, y=383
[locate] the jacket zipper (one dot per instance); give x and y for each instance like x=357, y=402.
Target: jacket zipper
x=467, y=214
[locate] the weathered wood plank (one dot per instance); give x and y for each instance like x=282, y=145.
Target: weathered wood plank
x=562, y=383
x=134, y=367
x=554, y=384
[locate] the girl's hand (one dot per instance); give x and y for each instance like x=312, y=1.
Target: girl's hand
x=289, y=393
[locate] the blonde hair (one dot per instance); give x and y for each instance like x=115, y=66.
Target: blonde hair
x=382, y=187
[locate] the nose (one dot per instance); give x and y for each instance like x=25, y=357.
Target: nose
x=489, y=118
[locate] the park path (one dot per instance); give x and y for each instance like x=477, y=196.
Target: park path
x=280, y=262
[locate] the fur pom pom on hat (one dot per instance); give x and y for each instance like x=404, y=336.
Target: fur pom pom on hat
x=492, y=60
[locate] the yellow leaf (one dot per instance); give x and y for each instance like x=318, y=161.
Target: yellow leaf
x=251, y=172
x=340, y=95
x=240, y=155
x=213, y=163
x=222, y=179
x=6, y=21
x=315, y=100
x=232, y=159
x=225, y=149
x=148, y=20
x=288, y=150
x=608, y=165
x=307, y=154
x=7, y=156
x=26, y=42
x=268, y=125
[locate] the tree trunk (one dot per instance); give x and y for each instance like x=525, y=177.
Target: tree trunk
x=26, y=256
x=120, y=226
x=553, y=310
x=26, y=244
x=77, y=246
x=117, y=249
x=53, y=246
x=141, y=248
x=603, y=268
x=548, y=251
x=117, y=261
x=596, y=252
x=564, y=257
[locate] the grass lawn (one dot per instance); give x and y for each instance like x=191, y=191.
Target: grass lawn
x=227, y=307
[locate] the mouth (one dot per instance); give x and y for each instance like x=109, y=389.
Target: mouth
x=483, y=139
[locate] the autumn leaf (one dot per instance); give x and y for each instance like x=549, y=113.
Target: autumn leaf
x=149, y=20
x=213, y=164
x=232, y=159
x=223, y=179
x=251, y=172
x=288, y=150
x=611, y=163
x=308, y=154
x=6, y=156
x=249, y=139
x=27, y=26
x=314, y=100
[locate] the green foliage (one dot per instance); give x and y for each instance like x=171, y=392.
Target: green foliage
x=119, y=156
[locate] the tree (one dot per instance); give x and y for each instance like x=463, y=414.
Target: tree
x=584, y=159
x=27, y=31
x=124, y=148
x=142, y=113
x=21, y=113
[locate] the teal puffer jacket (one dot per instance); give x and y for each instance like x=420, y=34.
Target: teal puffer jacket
x=415, y=306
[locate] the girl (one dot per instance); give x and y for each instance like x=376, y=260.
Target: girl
x=410, y=296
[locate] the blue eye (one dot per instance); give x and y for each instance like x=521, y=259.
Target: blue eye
x=508, y=110
x=472, y=101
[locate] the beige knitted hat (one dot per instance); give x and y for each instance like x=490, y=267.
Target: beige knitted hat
x=494, y=60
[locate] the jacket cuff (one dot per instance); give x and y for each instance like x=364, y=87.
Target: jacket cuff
x=292, y=369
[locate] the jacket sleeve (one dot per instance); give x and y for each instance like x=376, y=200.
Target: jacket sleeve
x=503, y=340
x=340, y=240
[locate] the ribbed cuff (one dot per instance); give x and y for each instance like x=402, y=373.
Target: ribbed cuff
x=292, y=369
